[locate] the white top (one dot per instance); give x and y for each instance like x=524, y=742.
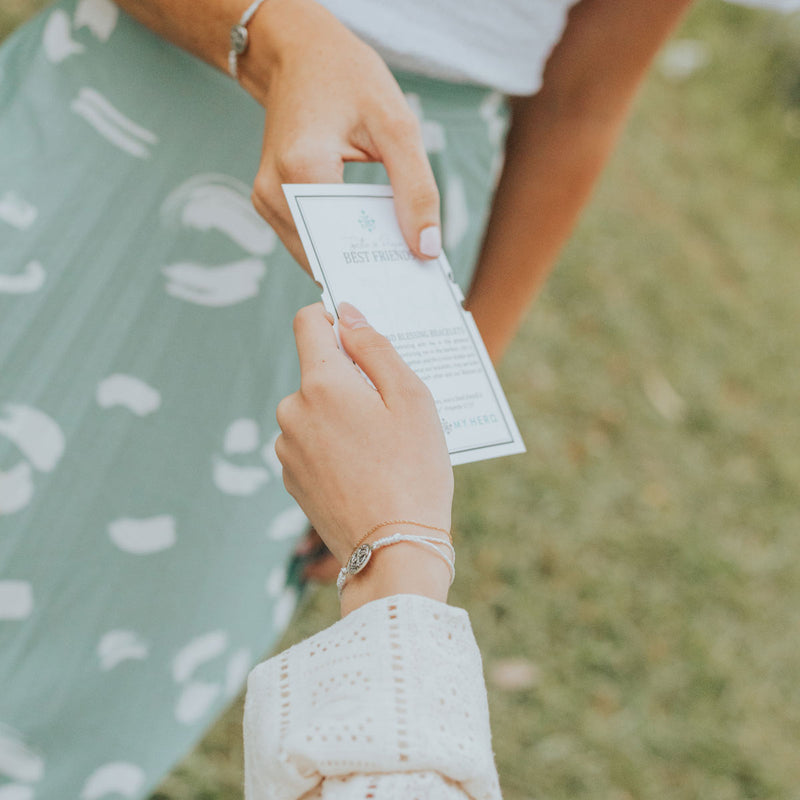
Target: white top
x=389, y=703
x=503, y=44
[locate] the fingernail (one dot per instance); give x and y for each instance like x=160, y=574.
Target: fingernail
x=430, y=241
x=351, y=317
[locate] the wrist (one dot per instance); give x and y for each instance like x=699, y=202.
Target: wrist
x=403, y=568
x=261, y=58
x=278, y=30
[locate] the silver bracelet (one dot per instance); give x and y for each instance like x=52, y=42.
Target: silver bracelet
x=240, y=38
x=363, y=553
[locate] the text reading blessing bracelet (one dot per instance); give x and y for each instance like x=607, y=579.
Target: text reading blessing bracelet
x=363, y=553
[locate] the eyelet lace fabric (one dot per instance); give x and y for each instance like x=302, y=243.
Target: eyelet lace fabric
x=397, y=786
x=389, y=702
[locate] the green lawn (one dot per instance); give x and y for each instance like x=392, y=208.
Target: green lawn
x=642, y=558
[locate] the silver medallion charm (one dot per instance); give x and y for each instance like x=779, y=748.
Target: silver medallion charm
x=239, y=39
x=359, y=559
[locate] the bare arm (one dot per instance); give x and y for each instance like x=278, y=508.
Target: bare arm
x=199, y=26
x=558, y=142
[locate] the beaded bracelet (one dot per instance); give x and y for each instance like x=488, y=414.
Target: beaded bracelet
x=363, y=553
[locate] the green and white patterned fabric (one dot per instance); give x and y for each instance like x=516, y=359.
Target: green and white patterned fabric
x=145, y=341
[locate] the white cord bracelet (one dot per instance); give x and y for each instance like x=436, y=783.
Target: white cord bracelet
x=363, y=553
x=240, y=38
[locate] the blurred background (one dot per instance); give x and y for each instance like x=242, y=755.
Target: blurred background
x=634, y=580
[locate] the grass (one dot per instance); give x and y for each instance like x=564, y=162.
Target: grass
x=642, y=558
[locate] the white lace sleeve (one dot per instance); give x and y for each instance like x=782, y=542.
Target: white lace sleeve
x=395, y=786
x=389, y=702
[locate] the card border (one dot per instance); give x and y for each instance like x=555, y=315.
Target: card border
x=296, y=192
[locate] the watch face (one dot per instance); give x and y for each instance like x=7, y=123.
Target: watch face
x=239, y=39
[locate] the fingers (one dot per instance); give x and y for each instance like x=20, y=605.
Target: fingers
x=317, y=348
x=416, y=194
x=287, y=235
x=305, y=161
x=393, y=137
x=316, y=341
x=374, y=353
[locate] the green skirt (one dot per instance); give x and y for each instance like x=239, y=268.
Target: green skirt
x=145, y=341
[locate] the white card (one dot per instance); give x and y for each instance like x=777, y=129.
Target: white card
x=357, y=253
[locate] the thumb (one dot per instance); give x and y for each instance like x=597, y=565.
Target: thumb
x=374, y=353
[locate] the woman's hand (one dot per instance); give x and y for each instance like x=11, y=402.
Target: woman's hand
x=354, y=456
x=330, y=99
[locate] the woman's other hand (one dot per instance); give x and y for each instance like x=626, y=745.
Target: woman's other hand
x=330, y=99
x=354, y=456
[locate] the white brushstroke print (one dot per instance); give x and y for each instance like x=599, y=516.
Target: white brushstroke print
x=491, y=111
x=196, y=653
x=198, y=696
x=223, y=285
x=433, y=135
x=219, y=202
x=456, y=213
x=119, y=645
x=115, y=778
x=38, y=436
x=236, y=671
x=242, y=481
x=40, y=440
x=129, y=392
x=242, y=436
x=99, y=16
x=276, y=581
x=112, y=124
x=284, y=608
x=288, y=524
x=16, y=600
x=16, y=791
x=31, y=279
x=18, y=761
x=195, y=700
x=17, y=211
x=143, y=536
x=57, y=38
